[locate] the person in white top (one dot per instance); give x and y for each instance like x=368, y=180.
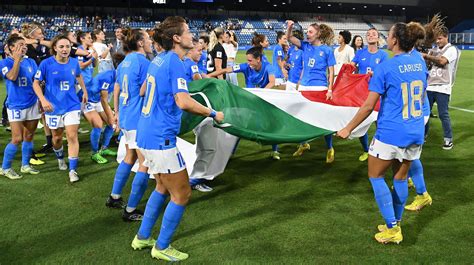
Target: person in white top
x=231, y=47
x=344, y=53
x=443, y=62
x=105, y=58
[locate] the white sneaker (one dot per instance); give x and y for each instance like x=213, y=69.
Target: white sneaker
x=62, y=164
x=73, y=177
x=448, y=145
x=202, y=188
x=11, y=174
x=40, y=125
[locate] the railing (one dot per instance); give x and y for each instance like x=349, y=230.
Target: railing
x=461, y=38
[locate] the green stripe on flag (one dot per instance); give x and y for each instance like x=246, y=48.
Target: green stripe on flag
x=248, y=116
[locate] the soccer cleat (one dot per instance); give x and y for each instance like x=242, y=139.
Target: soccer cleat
x=115, y=203
x=448, y=145
x=202, y=187
x=330, y=156
x=301, y=149
x=139, y=244
x=391, y=235
x=62, y=164
x=10, y=173
x=275, y=155
x=98, y=158
x=363, y=157
x=40, y=126
x=168, y=254
x=82, y=131
x=29, y=170
x=73, y=177
x=107, y=152
x=46, y=148
x=40, y=155
x=384, y=227
x=136, y=215
x=420, y=202
x=410, y=183
x=36, y=161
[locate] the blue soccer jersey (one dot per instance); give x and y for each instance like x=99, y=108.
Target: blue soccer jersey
x=20, y=92
x=130, y=76
x=60, y=79
x=160, y=118
x=203, y=62
x=316, y=60
x=401, y=83
x=191, y=69
x=295, y=60
x=367, y=61
x=253, y=78
x=103, y=81
x=278, y=53
x=87, y=72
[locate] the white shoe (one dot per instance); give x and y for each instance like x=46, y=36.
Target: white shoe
x=202, y=188
x=62, y=164
x=40, y=125
x=73, y=177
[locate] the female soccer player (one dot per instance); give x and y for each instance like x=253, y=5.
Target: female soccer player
x=22, y=106
x=231, y=47
x=295, y=63
x=131, y=75
x=318, y=58
x=400, y=83
x=217, y=58
x=204, y=41
x=367, y=60
x=344, y=53
x=60, y=102
x=260, y=40
x=166, y=97
x=105, y=56
x=191, y=62
x=281, y=74
x=357, y=43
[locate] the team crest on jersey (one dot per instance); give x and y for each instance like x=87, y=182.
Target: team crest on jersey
x=195, y=69
x=377, y=60
x=321, y=53
x=182, y=84
x=30, y=69
x=73, y=73
x=4, y=70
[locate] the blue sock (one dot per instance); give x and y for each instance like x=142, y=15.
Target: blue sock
x=416, y=174
x=9, y=155
x=399, y=196
x=328, y=139
x=364, y=141
x=139, y=184
x=95, y=137
x=171, y=219
x=26, y=151
x=108, y=133
x=121, y=177
x=59, y=153
x=384, y=200
x=274, y=147
x=73, y=161
x=193, y=181
x=152, y=211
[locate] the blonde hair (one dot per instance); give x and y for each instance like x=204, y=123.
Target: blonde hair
x=27, y=29
x=214, y=37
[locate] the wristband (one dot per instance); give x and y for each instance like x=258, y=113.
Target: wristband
x=212, y=114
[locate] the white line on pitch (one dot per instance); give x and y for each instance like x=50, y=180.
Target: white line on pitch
x=461, y=109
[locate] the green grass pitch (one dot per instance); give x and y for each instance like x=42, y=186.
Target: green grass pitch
x=294, y=211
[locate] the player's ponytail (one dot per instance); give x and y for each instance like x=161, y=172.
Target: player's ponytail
x=80, y=35
x=214, y=37
x=408, y=35
x=326, y=34
x=132, y=37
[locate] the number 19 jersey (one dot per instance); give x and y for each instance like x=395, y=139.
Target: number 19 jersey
x=401, y=82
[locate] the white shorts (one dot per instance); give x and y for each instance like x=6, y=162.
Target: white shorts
x=91, y=106
x=29, y=114
x=163, y=161
x=61, y=121
x=385, y=151
x=312, y=88
x=279, y=81
x=130, y=138
x=290, y=86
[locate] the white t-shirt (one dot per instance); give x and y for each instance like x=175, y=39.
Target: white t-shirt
x=230, y=50
x=342, y=57
x=100, y=48
x=452, y=54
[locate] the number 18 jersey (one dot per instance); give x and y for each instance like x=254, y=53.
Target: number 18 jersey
x=401, y=82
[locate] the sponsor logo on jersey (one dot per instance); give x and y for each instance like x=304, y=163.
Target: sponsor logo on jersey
x=182, y=84
x=4, y=70
x=218, y=54
x=377, y=60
